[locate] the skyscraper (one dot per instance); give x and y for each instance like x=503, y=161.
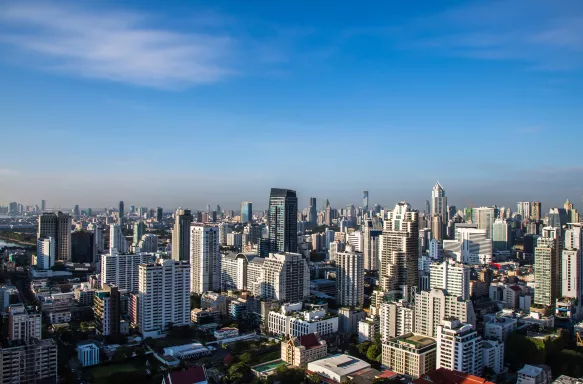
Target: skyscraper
x=365, y=202
x=76, y=212
x=523, y=209
x=350, y=278
x=283, y=220
x=121, y=213
x=57, y=226
x=451, y=276
x=313, y=212
x=159, y=214
x=246, y=212
x=107, y=310
x=439, y=202
x=536, y=210
x=399, y=249
x=285, y=277
x=371, y=240
x=139, y=231
x=43, y=205
x=181, y=235
x=501, y=240
x=117, y=240
x=547, y=267
x=459, y=347
x=205, y=259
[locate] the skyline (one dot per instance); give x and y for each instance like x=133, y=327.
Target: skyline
x=176, y=105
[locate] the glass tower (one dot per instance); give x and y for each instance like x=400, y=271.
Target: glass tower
x=283, y=220
x=246, y=212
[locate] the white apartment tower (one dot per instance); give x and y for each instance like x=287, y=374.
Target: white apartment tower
x=471, y=246
x=205, y=259
x=399, y=249
x=439, y=202
x=350, y=278
x=45, y=252
x=396, y=319
x=285, y=277
x=122, y=270
x=572, y=263
x=459, y=347
x=451, y=276
x=117, y=240
x=432, y=307
x=163, y=295
x=547, y=267
x=23, y=324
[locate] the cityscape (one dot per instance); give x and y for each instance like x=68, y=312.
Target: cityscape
x=291, y=192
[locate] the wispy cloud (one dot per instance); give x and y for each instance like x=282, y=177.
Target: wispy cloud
x=8, y=172
x=115, y=45
x=544, y=35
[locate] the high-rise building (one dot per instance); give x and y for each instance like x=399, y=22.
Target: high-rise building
x=181, y=235
x=163, y=295
x=536, y=210
x=31, y=361
x=23, y=324
x=371, y=245
x=139, y=231
x=328, y=215
x=107, y=310
x=285, y=277
x=45, y=252
x=471, y=246
x=283, y=220
x=83, y=247
x=121, y=214
x=484, y=217
x=439, y=202
x=396, y=319
x=451, y=276
x=437, y=227
x=399, y=249
x=431, y=307
x=524, y=210
x=365, y=202
x=76, y=212
x=350, y=278
x=459, y=347
x=246, y=212
x=410, y=354
x=57, y=226
x=501, y=236
x=313, y=212
x=117, y=239
x=159, y=214
x=122, y=270
x=547, y=267
x=205, y=259
x=43, y=205
x=148, y=243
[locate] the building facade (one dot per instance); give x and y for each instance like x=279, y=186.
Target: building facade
x=181, y=234
x=350, y=278
x=285, y=277
x=459, y=347
x=283, y=220
x=205, y=259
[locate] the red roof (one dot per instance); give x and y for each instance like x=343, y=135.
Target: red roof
x=309, y=341
x=387, y=375
x=192, y=375
x=228, y=360
x=515, y=288
x=445, y=376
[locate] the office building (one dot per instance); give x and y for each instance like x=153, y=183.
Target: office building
x=547, y=268
x=235, y=240
x=148, y=243
x=350, y=278
x=493, y=355
x=459, y=347
x=181, y=235
x=431, y=307
x=45, y=252
x=355, y=239
x=29, y=361
x=205, y=259
x=246, y=212
x=139, y=231
x=371, y=245
x=57, y=226
x=285, y=277
x=558, y=217
x=121, y=214
x=484, y=218
x=83, y=247
x=501, y=236
x=163, y=295
x=396, y=319
x=471, y=246
x=159, y=214
x=410, y=354
x=23, y=323
x=301, y=350
x=367, y=329
x=107, y=310
x=365, y=202
x=313, y=212
x=43, y=206
x=283, y=220
x=292, y=321
x=117, y=240
x=88, y=354
x=437, y=227
x=439, y=202
x=399, y=249
x=451, y=276
x=122, y=270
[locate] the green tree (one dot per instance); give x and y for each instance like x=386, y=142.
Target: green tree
x=363, y=347
x=373, y=352
x=314, y=379
x=246, y=358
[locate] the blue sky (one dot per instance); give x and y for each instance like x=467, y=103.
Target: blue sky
x=186, y=103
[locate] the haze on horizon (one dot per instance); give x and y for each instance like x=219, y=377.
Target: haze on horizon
x=180, y=105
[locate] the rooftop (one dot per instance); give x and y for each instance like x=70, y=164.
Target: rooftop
x=340, y=364
x=445, y=376
x=418, y=341
x=192, y=375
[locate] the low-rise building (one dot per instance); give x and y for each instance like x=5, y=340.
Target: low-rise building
x=367, y=328
x=201, y=316
x=88, y=354
x=59, y=317
x=534, y=374
x=292, y=321
x=410, y=354
x=337, y=367
x=226, y=333
x=499, y=327
x=493, y=355
x=301, y=350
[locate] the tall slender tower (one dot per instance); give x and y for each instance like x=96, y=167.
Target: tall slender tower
x=246, y=212
x=350, y=278
x=121, y=214
x=313, y=212
x=547, y=267
x=399, y=249
x=181, y=234
x=205, y=259
x=365, y=202
x=57, y=226
x=283, y=220
x=439, y=202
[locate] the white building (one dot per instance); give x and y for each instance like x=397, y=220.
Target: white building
x=356, y=240
x=122, y=270
x=350, y=278
x=335, y=247
x=292, y=321
x=337, y=367
x=499, y=327
x=459, y=347
x=254, y=271
x=451, y=276
x=471, y=246
x=493, y=355
x=88, y=354
x=205, y=258
x=148, y=243
x=367, y=328
x=164, y=295
x=235, y=239
x=117, y=240
x=23, y=324
x=396, y=319
x=285, y=277
x=531, y=374
x=434, y=306
x=236, y=273
x=45, y=252
x=439, y=202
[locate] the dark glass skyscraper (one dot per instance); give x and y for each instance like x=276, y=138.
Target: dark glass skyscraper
x=283, y=220
x=246, y=212
x=365, y=201
x=313, y=212
x=121, y=213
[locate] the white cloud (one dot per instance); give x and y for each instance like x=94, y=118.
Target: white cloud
x=116, y=46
